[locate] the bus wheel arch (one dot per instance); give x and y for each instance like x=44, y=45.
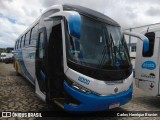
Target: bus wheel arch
x=16, y=67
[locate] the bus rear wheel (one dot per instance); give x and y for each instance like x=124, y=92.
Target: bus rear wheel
x=16, y=67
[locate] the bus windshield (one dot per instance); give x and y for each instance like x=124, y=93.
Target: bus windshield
x=100, y=46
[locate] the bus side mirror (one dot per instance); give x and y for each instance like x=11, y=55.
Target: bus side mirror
x=74, y=25
x=74, y=21
x=141, y=37
x=145, y=45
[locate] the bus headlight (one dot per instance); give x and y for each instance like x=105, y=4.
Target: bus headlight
x=80, y=88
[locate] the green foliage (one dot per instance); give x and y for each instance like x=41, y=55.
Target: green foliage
x=2, y=50
x=7, y=50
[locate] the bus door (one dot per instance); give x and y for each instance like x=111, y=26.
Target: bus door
x=55, y=90
x=147, y=65
x=40, y=60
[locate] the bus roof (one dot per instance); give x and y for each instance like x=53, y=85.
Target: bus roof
x=91, y=13
x=82, y=10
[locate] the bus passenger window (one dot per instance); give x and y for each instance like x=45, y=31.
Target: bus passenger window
x=41, y=46
x=24, y=38
x=34, y=35
x=17, y=44
x=27, y=38
x=20, y=42
x=151, y=37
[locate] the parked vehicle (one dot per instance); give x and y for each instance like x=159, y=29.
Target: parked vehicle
x=3, y=56
x=77, y=58
x=8, y=58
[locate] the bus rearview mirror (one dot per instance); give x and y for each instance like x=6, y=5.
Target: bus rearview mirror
x=74, y=25
x=73, y=20
x=141, y=37
x=146, y=45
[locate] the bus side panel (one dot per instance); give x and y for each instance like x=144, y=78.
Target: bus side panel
x=28, y=63
x=24, y=62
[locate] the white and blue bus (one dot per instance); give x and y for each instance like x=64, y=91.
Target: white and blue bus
x=77, y=58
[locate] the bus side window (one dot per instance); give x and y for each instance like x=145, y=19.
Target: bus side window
x=17, y=44
x=34, y=35
x=41, y=45
x=21, y=45
x=24, y=39
x=20, y=42
x=151, y=37
x=27, y=38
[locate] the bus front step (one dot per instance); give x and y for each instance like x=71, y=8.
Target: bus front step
x=59, y=102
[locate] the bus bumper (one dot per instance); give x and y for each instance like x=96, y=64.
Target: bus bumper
x=92, y=102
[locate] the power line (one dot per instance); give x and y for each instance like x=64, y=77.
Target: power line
x=142, y=26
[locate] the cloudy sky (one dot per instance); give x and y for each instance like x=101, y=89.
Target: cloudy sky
x=17, y=15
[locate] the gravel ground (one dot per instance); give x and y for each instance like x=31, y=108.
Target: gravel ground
x=17, y=94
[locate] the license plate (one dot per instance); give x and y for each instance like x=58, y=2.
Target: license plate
x=114, y=105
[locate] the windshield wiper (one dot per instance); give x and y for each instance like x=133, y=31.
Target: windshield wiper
x=112, y=46
x=125, y=49
x=103, y=56
x=105, y=49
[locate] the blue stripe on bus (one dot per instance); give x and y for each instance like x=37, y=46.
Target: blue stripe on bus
x=24, y=69
x=91, y=102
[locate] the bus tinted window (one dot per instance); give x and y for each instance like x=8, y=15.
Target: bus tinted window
x=17, y=44
x=20, y=42
x=41, y=46
x=34, y=35
x=151, y=37
x=27, y=38
x=24, y=37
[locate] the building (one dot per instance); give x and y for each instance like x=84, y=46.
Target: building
x=132, y=49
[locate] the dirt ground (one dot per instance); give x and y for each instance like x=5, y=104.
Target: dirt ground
x=17, y=94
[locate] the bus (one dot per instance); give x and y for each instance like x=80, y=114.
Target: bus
x=76, y=58
x=147, y=69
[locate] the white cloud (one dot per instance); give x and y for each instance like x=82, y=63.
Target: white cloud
x=23, y=11
x=128, y=13
x=16, y=15
x=9, y=32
